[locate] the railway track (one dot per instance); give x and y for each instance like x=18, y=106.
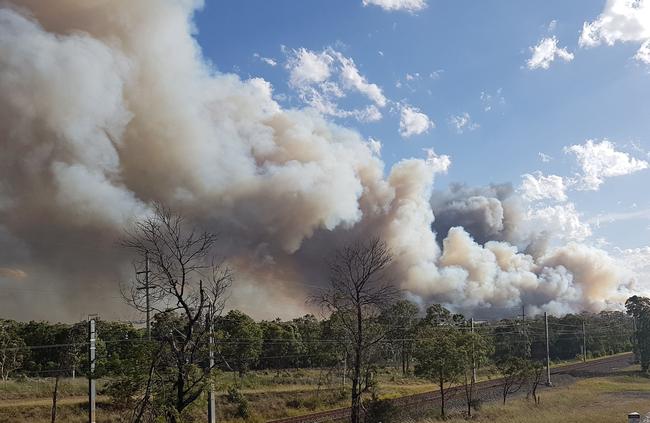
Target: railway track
x=427, y=397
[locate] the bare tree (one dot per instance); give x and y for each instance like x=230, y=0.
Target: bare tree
x=359, y=291
x=186, y=288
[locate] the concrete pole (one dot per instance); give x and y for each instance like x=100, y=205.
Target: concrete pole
x=146, y=292
x=211, y=403
x=548, y=354
x=92, y=337
x=473, y=358
x=584, y=343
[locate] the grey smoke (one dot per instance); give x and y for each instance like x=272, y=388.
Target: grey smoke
x=108, y=106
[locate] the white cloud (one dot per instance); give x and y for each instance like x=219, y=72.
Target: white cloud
x=439, y=163
x=390, y=5
x=268, y=60
x=352, y=79
x=545, y=157
x=536, y=187
x=323, y=78
x=545, y=53
x=463, y=122
x=307, y=67
x=621, y=21
x=413, y=122
x=643, y=54
x=552, y=26
x=600, y=160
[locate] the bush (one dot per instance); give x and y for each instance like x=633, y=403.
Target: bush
x=311, y=403
x=379, y=411
x=234, y=396
x=294, y=403
x=243, y=410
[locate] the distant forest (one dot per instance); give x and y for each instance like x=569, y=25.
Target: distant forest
x=242, y=344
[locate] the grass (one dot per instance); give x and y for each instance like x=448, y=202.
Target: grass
x=273, y=395
x=595, y=400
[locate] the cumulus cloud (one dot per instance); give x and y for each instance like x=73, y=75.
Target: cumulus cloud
x=323, y=78
x=391, y=5
x=620, y=21
x=439, y=163
x=536, y=186
x=463, y=122
x=601, y=160
x=545, y=52
x=413, y=122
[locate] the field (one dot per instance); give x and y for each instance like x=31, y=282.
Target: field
x=604, y=399
x=271, y=394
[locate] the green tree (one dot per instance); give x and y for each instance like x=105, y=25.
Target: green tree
x=639, y=309
x=281, y=347
x=514, y=371
x=12, y=349
x=440, y=354
x=401, y=320
x=240, y=338
x=475, y=352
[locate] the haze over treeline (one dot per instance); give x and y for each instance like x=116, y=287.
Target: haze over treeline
x=107, y=107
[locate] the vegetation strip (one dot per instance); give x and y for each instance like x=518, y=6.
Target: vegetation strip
x=409, y=400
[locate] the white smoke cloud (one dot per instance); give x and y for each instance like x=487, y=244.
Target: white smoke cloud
x=98, y=120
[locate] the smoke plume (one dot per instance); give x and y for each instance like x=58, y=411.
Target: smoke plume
x=108, y=106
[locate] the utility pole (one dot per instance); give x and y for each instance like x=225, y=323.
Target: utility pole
x=584, y=343
x=548, y=354
x=526, y=349
x=210, y=327
x=473, y=353
x=146, y=292
x=92, y=338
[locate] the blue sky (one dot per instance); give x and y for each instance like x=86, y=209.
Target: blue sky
x=475, y=50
